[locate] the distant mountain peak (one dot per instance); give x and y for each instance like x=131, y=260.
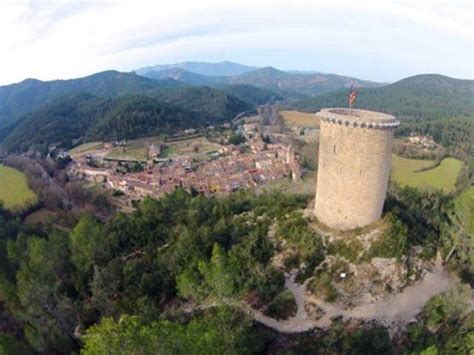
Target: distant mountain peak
x=31, y=80
x=271, y=69
x=225, y=68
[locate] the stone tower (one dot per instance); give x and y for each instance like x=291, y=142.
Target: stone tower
x=354, y=165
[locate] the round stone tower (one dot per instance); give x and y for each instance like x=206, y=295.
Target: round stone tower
x=354, y=165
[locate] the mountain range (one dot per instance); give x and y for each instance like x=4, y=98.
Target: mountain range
x=289, y=84
x=213, y=69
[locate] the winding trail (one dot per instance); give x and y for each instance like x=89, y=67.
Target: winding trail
x=394, y=308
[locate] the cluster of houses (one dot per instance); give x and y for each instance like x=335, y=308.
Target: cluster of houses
x=425, y=141
x=233, y=168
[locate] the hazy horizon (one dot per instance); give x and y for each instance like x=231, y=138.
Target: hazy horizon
x=382, y=41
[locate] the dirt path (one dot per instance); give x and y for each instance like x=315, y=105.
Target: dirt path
x=406, y=305
x=399, y=307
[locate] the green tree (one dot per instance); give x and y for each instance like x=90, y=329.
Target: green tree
x=220, y=331
x=86, y=243
x=217, y=273
x=42, y=286
x=217, y=279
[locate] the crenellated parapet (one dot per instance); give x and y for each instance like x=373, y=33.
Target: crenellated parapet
x=358, y=118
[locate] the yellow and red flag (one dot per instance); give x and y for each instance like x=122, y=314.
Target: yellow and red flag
x=352, y=96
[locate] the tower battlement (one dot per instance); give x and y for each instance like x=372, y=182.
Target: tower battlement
x=358, y=118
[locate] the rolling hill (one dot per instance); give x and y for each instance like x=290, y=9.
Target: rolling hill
x=61, y=121
x=214, y=104
x=35, y=113
x=87, y=117
x=28, y=95
x=286, y=84
x=422, y=96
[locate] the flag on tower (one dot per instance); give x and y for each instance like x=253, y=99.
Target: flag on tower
x=352, y=96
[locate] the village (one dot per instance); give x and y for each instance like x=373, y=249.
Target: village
x=203, y=167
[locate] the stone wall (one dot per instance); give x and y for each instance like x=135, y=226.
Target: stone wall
x=353, y=171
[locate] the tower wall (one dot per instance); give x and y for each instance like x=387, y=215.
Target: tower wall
x=354, y=167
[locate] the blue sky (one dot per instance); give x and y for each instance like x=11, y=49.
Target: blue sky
x=376, y=40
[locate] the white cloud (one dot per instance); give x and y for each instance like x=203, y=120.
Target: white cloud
x=71, y=38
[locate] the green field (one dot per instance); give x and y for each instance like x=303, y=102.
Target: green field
x=129, y=153
x=300, y=119
x=14, y=191
x=443, y=177
x=198, y=148
x=169, y=151
x=85, y=147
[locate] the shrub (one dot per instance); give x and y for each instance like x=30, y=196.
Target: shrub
x=349, y=250
x=283, y=306
x=392, y=244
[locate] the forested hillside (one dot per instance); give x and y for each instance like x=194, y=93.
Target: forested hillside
x=252, y=94
x=423, y=96
x=34, y=113
x=119, y=286
x=19, y=99
x=91, y=118
x=135, y=264
x=216, y=105
x=135, y=116
x=62, y=121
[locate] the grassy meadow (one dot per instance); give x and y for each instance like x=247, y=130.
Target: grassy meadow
x=443, y=177
x=14, y=191
x=300, y=119
x=129, y=153
x=194, y=147
x=85, y=147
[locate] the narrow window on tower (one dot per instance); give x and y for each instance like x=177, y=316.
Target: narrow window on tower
x=334, y=148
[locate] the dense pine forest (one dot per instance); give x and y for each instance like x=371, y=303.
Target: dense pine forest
x=170, y=278
x=87, y=117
